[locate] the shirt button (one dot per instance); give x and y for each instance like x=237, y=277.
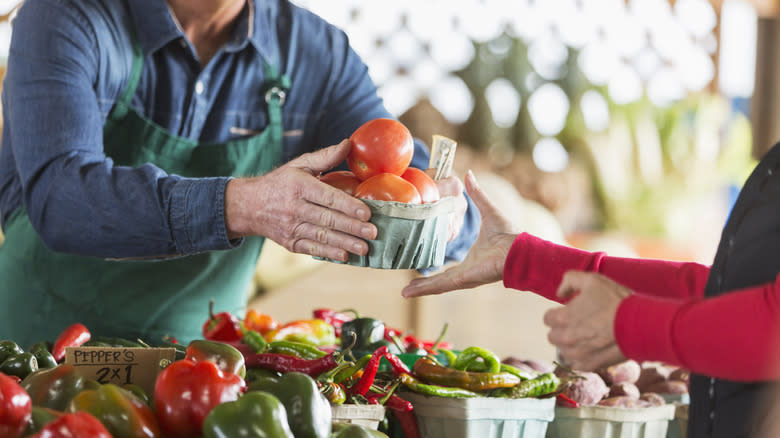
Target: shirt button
x=183, y=42
x=732, y=241
x=711, y=392
x=199, y=87
x=712, y=415
x=769, y=171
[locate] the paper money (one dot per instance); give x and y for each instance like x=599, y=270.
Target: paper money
x=442, y=156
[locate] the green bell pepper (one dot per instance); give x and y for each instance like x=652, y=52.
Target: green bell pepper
x=308, y=412
x=20, y=365
x=54, y=387
x=256, y=414
x=120, y=411
x=347, y=430
x=8, y=349
x=42, y=353
x=41, y=417
x=227, y=357
x=366, y=331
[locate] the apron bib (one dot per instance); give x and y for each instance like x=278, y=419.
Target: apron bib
x=45, y=291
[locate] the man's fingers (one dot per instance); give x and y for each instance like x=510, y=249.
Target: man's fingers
x=318, y=249
x=329, y=237
x=324, y=159
x=332, y=219
x=319, y=193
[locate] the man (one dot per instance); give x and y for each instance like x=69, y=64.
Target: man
x=183, y=132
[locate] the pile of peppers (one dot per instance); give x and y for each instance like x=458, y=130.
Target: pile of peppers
x=249, y=374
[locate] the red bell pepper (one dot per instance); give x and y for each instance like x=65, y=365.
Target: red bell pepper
x=79, y=424
x=74, y=335
x=223, y=326
x=186, y=391
x=15, y=407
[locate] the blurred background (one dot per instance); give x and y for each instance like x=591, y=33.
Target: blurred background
x=611, y=125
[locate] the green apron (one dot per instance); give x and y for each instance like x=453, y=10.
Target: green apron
x=45, y=291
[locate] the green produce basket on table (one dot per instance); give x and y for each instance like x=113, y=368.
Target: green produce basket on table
x=611, y=422
x=409, y=236
x=481, y=417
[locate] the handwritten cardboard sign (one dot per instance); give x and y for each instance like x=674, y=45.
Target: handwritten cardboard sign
x=121, y=365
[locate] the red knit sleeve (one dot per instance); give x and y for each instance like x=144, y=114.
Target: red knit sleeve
x=732, y=336
x=538, y=265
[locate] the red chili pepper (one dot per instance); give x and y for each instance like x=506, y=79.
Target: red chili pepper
x=74, y=335
x=223, y=326
x=369, y=373
x=408, y=422
x=391, y=332
x=394, y=402
x=285, y=363
x=399, y=367
x=79, y=424
x=15, y=407
x=565, y=401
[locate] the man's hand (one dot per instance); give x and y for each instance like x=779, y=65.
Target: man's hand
x=485, y=261
x=451, y=186
x=583, y=329
x=290, y=206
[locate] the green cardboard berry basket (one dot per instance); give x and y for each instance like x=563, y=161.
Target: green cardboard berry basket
x=409, y=236
x=481, y=417
x=611, y=422
x=364, y=415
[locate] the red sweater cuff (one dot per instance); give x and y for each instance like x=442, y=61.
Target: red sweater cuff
x=538, y=265
x=643, y=328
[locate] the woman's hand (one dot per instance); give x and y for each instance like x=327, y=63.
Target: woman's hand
x=583, y=329
x=290, y=206
x=485, y=261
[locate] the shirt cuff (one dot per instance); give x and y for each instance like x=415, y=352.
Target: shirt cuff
x=197, y=215
x=538, y=265
x=643, y=328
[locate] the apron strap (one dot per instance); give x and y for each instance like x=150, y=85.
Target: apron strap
x=125, y=99
x=275, y=90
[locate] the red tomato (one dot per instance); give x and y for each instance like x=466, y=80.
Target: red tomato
x=342, y=180
x=380, y=146
x=429, y=191
x=388, y=187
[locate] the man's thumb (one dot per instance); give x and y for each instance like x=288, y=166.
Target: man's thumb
x=326, y=158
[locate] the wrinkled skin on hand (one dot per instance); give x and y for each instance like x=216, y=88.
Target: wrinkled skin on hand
x=290, y=206
x=583, y=329
x=485, y=261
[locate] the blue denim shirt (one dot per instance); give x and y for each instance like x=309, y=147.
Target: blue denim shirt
x=69, y=62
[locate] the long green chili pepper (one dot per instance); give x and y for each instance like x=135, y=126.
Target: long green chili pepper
x=523, y=375
x=299, y=349
x=449, y=355
x=472, y=354
x=348, y=372
x=431, y=372
x=435, y=390
x=540, y=385
x=255, y=341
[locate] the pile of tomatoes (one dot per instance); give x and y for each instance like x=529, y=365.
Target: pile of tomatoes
x=379, y=166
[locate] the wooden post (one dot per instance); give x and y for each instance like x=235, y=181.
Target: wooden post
x=765, y=104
